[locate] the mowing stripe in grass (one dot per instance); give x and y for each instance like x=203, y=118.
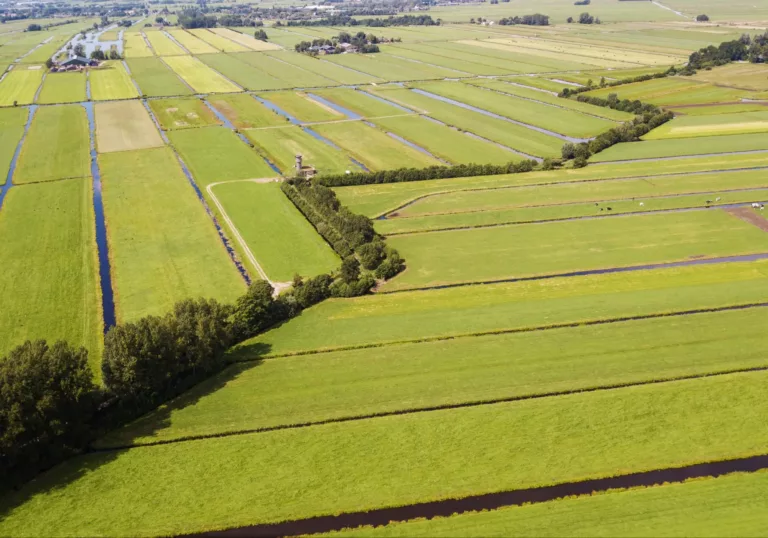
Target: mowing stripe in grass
x=609, y=270
x=492, y=501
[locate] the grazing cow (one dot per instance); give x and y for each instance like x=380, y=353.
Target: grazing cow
x=641, y=204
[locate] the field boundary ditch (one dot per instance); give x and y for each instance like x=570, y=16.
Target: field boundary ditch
x=492, y=501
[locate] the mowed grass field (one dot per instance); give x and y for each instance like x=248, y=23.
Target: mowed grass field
x=719, y=124
x=302, y=107
x=681, y=147
x=57, y=146
x=49, y=286
x=268, y=222
x=246, y=112
x=561, y=121
x=376, y=200
x=62, y=88
x=163, y=246
x=182, y=113
x=717, y=506
x=12, y=121
x=215, y=154
x=20, y=85
x=630, y=429
x=199, y=76
x=124, y=126
x=504, y=132
x=282, y=145
x=155, y=78
x=364, y=382
x=495, y=253
x=111, y=82
x=374, y=148
x=446, y=143
x=509, y=306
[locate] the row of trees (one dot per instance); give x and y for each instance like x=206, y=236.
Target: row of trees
x=193, y=18
x=746, y=48
x=628, y=132
x=420, y=174
x=50, y=407
x=351, y=236
x=537, y=19
x=585, y=18
x=347, y=20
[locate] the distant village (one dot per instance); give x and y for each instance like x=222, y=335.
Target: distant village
x=343, y=43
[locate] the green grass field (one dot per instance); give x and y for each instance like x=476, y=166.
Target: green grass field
x=218, y=42
x=748, y=76
x=570, y=104
x=268, y=222
x=62, y=88
x=155, y=78
x=679, y=147
x=481, y=368
x=290, y=75
x=245, y=112
x=198, y=75
x=587, y=435
x=360, y=102
x=245, y=39
x=249, y=77
x=412, y=316
x=720, y=124
x=538, y=249
x=111, y=82
x=392, y=68
x=375, y=200
x=20, y=85
x=49, y=286
x=501, y=131
x=215, y=154
x=562, y=121
x=713, y=507
x=372, y=147
x=135, y=46
x=182, y=113
x=282, y=145
x=164, y=45
x=446, y=143
x=57, y=146
x=12, y=122
x=325, y=69
x=124, y=126
x=193, y=44
x=302, y=106
x=555, y=212
x=163, y=245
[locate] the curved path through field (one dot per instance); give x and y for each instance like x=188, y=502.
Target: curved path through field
x=278, y=286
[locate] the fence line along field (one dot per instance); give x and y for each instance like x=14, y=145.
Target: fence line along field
x=408, y=262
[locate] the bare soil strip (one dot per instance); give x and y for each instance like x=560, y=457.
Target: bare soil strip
x=747, y=215
x=492, y=501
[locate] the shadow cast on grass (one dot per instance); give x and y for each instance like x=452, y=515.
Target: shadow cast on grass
x=116, y=442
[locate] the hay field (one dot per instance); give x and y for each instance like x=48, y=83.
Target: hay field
x=124, y=126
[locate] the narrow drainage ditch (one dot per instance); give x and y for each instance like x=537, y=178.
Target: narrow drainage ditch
x=499, y=117
x=12, y=168
x=224, y=240
x=223, y=119
x=105, y=274
x=493, y=501
x=314, y=134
